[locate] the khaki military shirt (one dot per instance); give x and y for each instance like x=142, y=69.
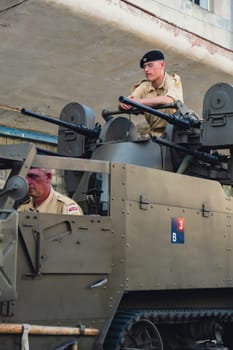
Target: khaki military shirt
x=171, y=86
x=56, y=203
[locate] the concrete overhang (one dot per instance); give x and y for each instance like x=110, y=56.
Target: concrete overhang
x=54, y=52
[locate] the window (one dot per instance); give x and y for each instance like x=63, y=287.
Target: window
x=202, y=3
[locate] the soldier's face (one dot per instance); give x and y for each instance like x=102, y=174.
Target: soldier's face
x=154, y=70
x=38, y=183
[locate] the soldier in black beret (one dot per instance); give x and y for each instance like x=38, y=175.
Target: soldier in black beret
x=151, y=56
x=158, y=88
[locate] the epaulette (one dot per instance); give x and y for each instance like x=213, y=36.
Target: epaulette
x=134, y=86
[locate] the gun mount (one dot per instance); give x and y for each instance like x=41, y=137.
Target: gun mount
x=195, y=146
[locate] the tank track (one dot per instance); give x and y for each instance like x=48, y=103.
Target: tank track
x=124, y=320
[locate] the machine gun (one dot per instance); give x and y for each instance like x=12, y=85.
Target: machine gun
x=174, y=119
x=76, y=127
x=81, y=129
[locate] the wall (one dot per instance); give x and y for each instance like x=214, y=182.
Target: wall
x=214, y=25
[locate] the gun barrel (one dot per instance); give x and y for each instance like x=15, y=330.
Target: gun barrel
x=200, y=155
x=174, y=119
x=83, y=130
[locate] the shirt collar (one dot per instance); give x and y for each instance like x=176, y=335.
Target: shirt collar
x=48, y=199
x=161, y=86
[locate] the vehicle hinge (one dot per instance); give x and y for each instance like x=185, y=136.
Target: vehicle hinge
x=205, y=210
x=7, y=308
x=143, y=202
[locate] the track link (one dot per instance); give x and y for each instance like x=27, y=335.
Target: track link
x=124, y=321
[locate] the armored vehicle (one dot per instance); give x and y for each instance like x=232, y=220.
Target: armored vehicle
x=150, y=264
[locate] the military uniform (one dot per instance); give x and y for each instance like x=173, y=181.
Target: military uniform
x=56, y=203
x=172, y=87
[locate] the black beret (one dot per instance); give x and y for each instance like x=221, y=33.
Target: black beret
x=153, y=55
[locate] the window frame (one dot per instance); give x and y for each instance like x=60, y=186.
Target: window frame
x=204, y=4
